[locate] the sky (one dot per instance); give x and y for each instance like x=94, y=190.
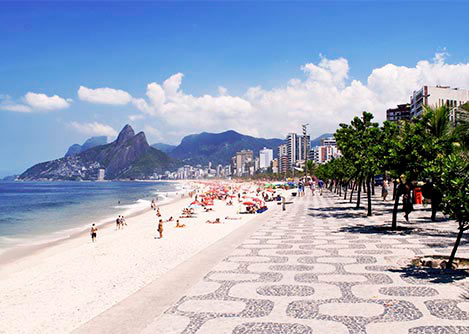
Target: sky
x=72, y=70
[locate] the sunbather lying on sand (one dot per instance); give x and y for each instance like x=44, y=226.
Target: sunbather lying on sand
x=216, y=221
x=233, y=218
x=179, y=225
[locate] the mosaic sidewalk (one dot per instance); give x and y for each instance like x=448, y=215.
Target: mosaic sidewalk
x=321, y=267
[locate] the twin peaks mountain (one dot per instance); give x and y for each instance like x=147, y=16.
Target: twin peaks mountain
x=128, y=157
x=217, y=148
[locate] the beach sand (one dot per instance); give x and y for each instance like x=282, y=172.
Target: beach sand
x=60, y=287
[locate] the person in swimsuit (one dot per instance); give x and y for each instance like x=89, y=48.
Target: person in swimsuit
x=160, y=228
x=93, y=231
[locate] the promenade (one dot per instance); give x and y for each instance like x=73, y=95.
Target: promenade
x=320, y=267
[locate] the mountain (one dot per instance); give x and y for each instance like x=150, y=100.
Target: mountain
x=317, y=141
x=166, y=148
x=218, y=148
x=89, y=143
x=128, y=157
x=9, y=178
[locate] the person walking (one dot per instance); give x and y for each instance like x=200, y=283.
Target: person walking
x=407, y=200
x=384, y=190
x=93, y=232
x=160, y=228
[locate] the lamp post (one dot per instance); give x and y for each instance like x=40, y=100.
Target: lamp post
x=305, y=146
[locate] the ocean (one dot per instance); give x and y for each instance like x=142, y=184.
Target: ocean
x=37, y=212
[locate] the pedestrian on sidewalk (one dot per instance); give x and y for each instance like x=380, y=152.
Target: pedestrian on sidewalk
x=384, y=190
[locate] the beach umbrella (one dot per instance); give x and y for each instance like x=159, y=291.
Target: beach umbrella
x=257, y=200
x=248, y=203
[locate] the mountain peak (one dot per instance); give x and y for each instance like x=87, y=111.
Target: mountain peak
x=126, y=133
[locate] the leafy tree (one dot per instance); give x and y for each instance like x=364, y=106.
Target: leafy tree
x=454, y=184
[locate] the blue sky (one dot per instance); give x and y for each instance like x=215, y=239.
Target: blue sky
x=54, y=48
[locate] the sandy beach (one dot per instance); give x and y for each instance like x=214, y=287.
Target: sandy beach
x=62, y=286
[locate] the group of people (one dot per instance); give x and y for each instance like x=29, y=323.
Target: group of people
x=120, y=222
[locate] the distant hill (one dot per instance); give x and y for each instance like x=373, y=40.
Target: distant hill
x=218, y=148
x=317, y=141
x=166, y=148
x=128, y=157
x=9, y=178
x=89, y=143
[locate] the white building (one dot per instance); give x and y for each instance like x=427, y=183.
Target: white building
x=101, y=173
x=437, y=97
x=297, y=151
x=266, y=155
x=330, y=141
x=282, y=158
x=322, y=154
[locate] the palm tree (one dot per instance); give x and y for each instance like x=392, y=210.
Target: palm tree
x=310, y=167
x=438, y=124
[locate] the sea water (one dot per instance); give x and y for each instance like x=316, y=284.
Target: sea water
x=36, y=212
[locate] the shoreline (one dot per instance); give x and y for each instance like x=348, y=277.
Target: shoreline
x=58, y=288
x=19, y=252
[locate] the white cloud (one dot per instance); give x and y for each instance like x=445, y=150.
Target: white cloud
x=324, y=97
x=93, y=129
x=104, y=95
x=40, y=101
x=136, y=117
x=152, y=132
x=34, y=102
x=15, y=107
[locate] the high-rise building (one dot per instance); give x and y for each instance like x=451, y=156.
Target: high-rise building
x=282, y=158
x=266, y=155
x=329, y=141
x=244, y=161
x=322, y=154
x=297, y=149
x=402, y=112
x=436, y=97
x=101, y=173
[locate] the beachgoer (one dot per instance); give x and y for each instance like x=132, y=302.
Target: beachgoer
x=118, y=223
x=160, y=228
x=283, y=203
x=179, y=225
x=216, y=221
x=93, y=231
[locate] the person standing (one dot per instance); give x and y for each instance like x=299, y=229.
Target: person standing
x=283, y=203
x=160, y=228
x=93, y=232
x=384, y=190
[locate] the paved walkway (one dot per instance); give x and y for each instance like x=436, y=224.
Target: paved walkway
x=321, y=267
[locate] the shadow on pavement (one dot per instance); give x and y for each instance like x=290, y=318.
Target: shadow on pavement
x=377, y=229
x=431, y=275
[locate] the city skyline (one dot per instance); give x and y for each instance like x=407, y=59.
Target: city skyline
x=71, y=71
